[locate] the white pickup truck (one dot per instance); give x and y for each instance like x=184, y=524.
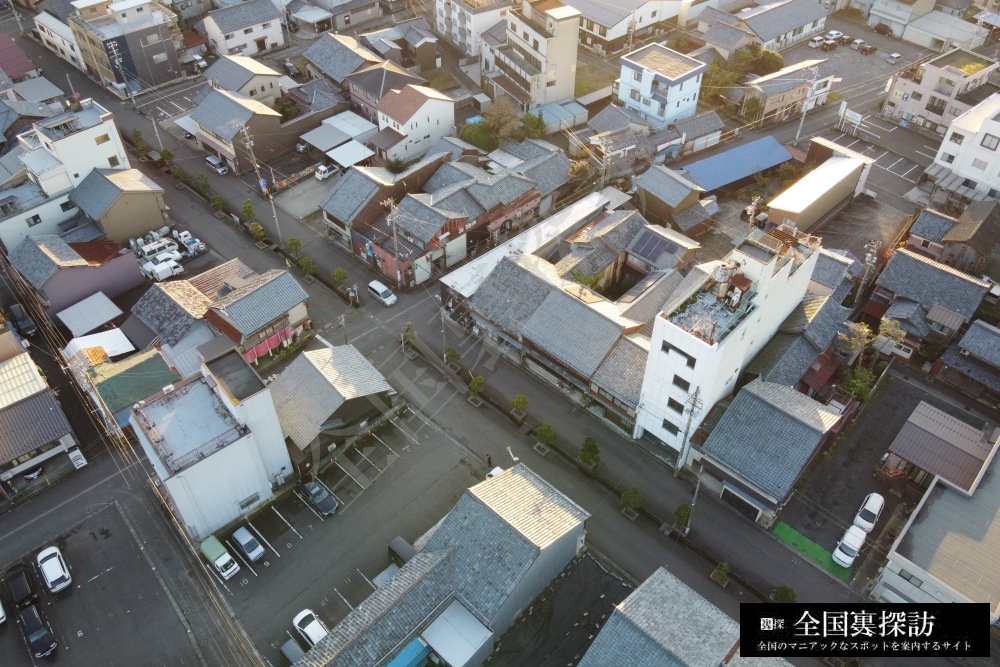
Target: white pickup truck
x=161, y=267
x=189, y=245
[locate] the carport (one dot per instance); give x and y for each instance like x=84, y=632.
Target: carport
x=350, y=153
x=185, y=123
x=317, y=17
x=325, y=138
x=734, y=165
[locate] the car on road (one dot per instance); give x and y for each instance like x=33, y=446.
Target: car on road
x=248, y=544
x=829, y=45
x=883, y=29
x=870, y=510
x=834, y=34
x=290, y=69
x=845, y=40
x=309, y=626
x=868, y=49
x=37, y=632
x=53, y=568
x=894, y=58
x=20, y=586
x=24, y=324
x=849, y=546
x=319, y=498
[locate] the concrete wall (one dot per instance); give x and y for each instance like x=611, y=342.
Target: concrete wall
x=259, y=414
x=132, y=215
x=73, y=284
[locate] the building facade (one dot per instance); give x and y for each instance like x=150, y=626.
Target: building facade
x=660, y=84
x=462, y=21
x=245, y=29
x=967, y=165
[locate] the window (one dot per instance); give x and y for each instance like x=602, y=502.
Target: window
x=247, y=31
x=956, y=138
x=229, y=36
x=534, y=44
x=906, y=576
x=947, y=159
x=67, y=206
x=253, y=91
x=676, y=406
x=991, y=142
x=101, y=139
x=138, y=10
x=653, y=15
x=954, y=111
x=267, y=25
x=548, y=84
x=634, y=95
x=979, y=164
x=113, y=161
x=602, y=31
x=637, y=76
x=916, y=96
x=33, y=220
x=524, y=35
x=590, y=26
x=667, y=347
x=682, y=383
x=925, y=244
x=671, y=427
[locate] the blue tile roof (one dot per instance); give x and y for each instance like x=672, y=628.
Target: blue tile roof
x=737, y=163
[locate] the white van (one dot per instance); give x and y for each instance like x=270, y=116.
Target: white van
x=816, y=42
x=217, y=165
x=381, y=293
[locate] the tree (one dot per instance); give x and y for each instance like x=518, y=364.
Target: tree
x=682, y=515
x=294, y=245
x=590, y=452
x=751, y=108
x=166, y=155
x=533, y=126
x=717, y=80
x=476, y=385
x=890, y=329
x=307, y=265
x=931, y=350
x=339, y=275
x=217, y=202
x=451, y=355
x=179, y=172
x=768, y=62
x=580, y=172
x=479, y=135
x=287, y=108
x=256, y=231
x=247, y=209
x=503, y=119
x=546, y=435
x=859, y=382
x=784, y=594
x=680, y=43
x=520, y=402
x=202, y=183
x=584, y=279
x=857, y=337
x=396, y=165
x=631, y=498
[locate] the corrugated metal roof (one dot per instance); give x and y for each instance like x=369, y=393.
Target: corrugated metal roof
x=29, y=424
x=113, y=342
x=19, y=379
x=737, y=163
x=89, y=314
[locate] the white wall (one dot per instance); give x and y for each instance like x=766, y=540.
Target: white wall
x=240, y=44
x=58, y=38
x=435, y=119
x=259, y=414
x=15, y=229
x=80, y=153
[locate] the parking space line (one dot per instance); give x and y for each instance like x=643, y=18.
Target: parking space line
x=384, y=443
x=262, y=538
x=881, y=156
x=365, y=578
x=909, y=170
x=344, y=599
x=895, y=174
x=242, y=559
x=348, y=473
x=308, y=505
x=286, y=520
x=925, y=154
x=400, y=428
x=368, y=459
x=894, y=163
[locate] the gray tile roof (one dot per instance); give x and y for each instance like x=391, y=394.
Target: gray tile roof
x=712, y=15
x=234, y=72
x=609, y=119
x=912, y=317
x=500, y=191
x=29, y=424
x=726, y=36
x=768, y=435
x=694, y=215
x=621, y=372
x=261, y=301
x=225, y=113
x=453, y=173
x=802, y=338
x=928, y=282
x=607, y=14
x=318, y=95
x=831, y=268
x=981, y=372
x=978, y=227
x=244, y=15
x=453, y=146
x=791, y=77
x=549, y=173
x=419, y=218
x=349, y=195
x=379, y=78
x=101, y=188
x=509, y=296
x=316, y=384
x=699, y=126
x=169, y=309
x=856, y=267
x=932, y=225
x=572, y=332
x=644, y=301
x=983, y=342
x=458, y=201
x=215, y=281
x=776, y=19
x=663, y=623
x=667, y=185
x=37, y=258
x=336, y=56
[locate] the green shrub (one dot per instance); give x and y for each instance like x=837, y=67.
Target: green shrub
x=590, y=452
x=546, y=435
x=631, y=498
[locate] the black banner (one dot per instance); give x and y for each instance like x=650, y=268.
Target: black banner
x=860, y=630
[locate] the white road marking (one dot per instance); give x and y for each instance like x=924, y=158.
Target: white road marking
x=910, y=169
x=894, y=163
x=925, y=154
x=286, y=520
x=262, y=538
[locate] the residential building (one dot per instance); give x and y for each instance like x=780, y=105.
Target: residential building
x=244, y=29
x=972, y=364
x=353, y=13
x=775, y=97
x=220, y=119
x=941, y=31
x=114, y=387
x=971, y=245
x=725, y=35
x=59, y=274
x=242, y=74
x=933, y=92
x=14, y=63
x=326, y=398
x=335, y=56
x=59, y=153
x=698, y=132
x=699, y=632
x=715, y=323
x=659, y=84
x=896, y=15
x=409, y=43
x=930, y=300
x=410, y=121
x=89, y=314
x=215, y=444
x=461, y=22
x=58, y=38
x=536, y=61
x=371, y=83
x=124, y=203
x=443, y=601
x=966, y=163
x=927, y=233
x=607, y=28
x=661, y=192
x=129, y=45
x=775, y=26
x=537, y=160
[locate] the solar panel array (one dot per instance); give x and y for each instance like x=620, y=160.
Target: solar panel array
x=652, y=246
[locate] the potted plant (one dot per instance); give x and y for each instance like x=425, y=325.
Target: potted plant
x=546, y=437
x=294, y=246
x=475, y=388
x=520, y=404
x=783, y=594
x=590, y=453
x=451, y=357
x=630, y=501
x=247, y=209
x=682, y=515
x=720, y=574
x=339, y=275
x=308, y=267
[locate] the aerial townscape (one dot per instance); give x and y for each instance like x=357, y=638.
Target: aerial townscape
x=588, y=326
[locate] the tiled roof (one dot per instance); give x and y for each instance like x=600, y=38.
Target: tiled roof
x=453, y=146
x=244, y=15
x=982, y=341
x=416, y=216
x=336, y=56
x=927, y=282
x=169, y=309
x=37, y=258
x=910, y=315
x=549, y=173
x=699, y=126
x=737, y=163
x=234, y=72
x=768, y=435
x=495, y=35
x=855, y=268
x=712, y=15
x=726, y=36
x=978, y=227
x=400, y=105
x=645, y=300
x=101, y=188
x=251, y=307
x=316, y=384
x=349, y=195
x=378, y=79
x=318, y=95
x=932, y=225
x=983, y=373
x=609, y=119
x=123, y=383
x=501, y=190
x=29, y=424
x=688, y=218
x=791, y=77
x=459, y=201
x=225, y=113
x=622, y=371
x=830, y=268
x=215, y=280
x=667, y=185
x=607, y=14
x=509, y=296
x=776, y=19
x=412, y=32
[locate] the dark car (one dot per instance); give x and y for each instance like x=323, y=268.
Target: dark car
x=24, y=324
x=882, y=29
x=20, y=586
x=319, y=498
x=868, y=49
x=829, y=45
x=37, y=632
x=844, y=40
x=290, y=69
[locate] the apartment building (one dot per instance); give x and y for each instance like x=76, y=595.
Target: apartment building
x=461, y=22
x=660, y=84
x=535, y=63
x=967, y=166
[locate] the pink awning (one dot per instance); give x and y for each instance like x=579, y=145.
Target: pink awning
x=250, y=356
x=274, y=341
x=261, y=349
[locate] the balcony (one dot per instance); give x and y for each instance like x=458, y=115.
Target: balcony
x=533, y=26
x=514, y=59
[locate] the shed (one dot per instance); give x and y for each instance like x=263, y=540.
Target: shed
x=820, y=193
x=737, y=163
x=562, y=115
x=89, y=314
x=941, y=31
x=114, y=342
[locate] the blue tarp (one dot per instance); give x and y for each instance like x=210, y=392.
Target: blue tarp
x=737, y=163
x=411, y=656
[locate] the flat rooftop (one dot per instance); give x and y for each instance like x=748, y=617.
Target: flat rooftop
x=966, y=62
x=88, y=115
x=187, y=423
x=235, y=375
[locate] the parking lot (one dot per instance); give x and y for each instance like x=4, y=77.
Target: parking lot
x=178, y=101
x=907, y=171
x=104, y=618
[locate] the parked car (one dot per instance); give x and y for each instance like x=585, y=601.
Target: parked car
x=857, y=44
x=200, y=62
x=882, y=29
x=849, y=546
x=816, y=42
x=290, y=69
x=309, y=626
x=37, y=632
x=248, y=544
x=870, y=510
x=868, y=49
x=53, y=568
x=834, y=34
x=20, y=586
x=319, y=498
x=19, y=317
x=829, y=45
x=33, y=473
x=302, y=146
x=292, y=652
x=893, y=58
x=844, y=40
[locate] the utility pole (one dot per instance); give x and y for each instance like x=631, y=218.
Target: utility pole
x=121, y=69
x=391, y=217
x=693, y=404
x=248, y=143
x=802, y=121
x=444, y=341
x=70, y=82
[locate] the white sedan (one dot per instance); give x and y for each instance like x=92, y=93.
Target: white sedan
x=870, y=510
x=834, y=34
x=54, y=570
x=309, y=626
x=849, y=546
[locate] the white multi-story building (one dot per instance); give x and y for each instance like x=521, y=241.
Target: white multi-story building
x=59, y=152
x=535, y=62
x=245, y=29
x=660, y=84
x=462, y=21
x=967, y=165
x=57, y=37
x=411, y=120
x=716, y=322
